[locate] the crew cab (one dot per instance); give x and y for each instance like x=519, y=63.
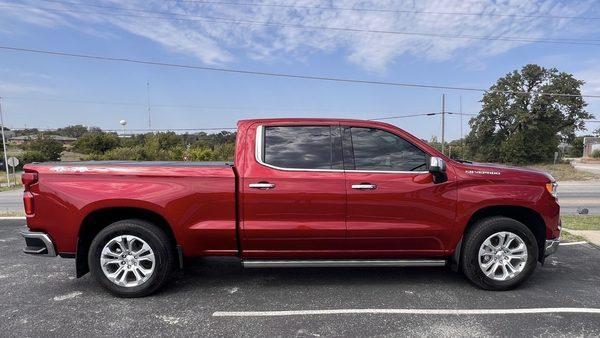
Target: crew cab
x=299, y=193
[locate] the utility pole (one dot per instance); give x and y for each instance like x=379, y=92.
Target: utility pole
x=462, y=141
x=148, y=101
x=4, y=144
x=443, y=122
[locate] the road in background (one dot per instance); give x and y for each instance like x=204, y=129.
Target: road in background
x=572, y=196
x=589, y=167
x=11, y=200
x=41, y=297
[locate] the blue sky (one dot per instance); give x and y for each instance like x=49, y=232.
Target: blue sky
x=49, y=92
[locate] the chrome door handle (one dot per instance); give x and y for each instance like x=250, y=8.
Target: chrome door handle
x=364, y=186
x=261, y=185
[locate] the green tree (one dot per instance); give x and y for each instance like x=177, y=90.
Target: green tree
x=125, y=154
x=31, y=156
x=520, y=123
x=49, y=149
x=75, y=131
x=577, y=147
x=96, y=143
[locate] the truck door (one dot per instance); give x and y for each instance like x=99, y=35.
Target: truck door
x=293, y=192
x=394, y=208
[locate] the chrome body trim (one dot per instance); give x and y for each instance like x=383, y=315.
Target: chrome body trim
x=551, y=246
x=261, y=185
x=258, y=152
x=364, y=186
x=46, y=240
x=344, y=263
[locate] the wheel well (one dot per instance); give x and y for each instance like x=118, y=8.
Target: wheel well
x=97, y=220
x=530, y=218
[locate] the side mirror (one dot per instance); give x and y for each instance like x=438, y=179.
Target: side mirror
x=437, y=168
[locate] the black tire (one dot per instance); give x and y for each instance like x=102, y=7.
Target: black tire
x=475, y=238
x=154, y=237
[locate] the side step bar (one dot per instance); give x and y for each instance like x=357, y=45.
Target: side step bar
x=347, y=263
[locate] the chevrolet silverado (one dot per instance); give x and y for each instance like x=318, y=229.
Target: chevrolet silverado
x=299, y=193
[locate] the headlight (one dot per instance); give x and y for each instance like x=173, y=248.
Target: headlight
x=552, y=188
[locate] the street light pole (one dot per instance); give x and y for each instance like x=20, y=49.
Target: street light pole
x=4, y=144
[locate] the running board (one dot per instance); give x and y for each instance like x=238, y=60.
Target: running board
x=346, y=263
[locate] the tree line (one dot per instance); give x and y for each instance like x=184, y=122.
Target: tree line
x=96, y=144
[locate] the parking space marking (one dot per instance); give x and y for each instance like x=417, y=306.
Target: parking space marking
x=407, y=312
x=12, y=218
x=573, y=243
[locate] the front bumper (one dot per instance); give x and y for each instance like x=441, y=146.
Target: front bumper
x=38, y=243
x=551, y=246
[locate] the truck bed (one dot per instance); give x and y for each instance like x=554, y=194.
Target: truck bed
x=197, y=198
x=142, y=163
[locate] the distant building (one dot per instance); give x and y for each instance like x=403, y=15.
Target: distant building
x=590, y=144
x=26, y=138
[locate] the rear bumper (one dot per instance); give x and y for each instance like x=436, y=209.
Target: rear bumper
x=551, y=246
x=38, y=243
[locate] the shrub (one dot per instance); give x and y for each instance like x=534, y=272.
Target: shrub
x=45, y=149
x=596, y=154
x=31, y=156
x=96, y=143
x=124, y=154
x=200, y=154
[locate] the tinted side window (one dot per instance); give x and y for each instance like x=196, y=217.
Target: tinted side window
x=300, y=147
x=376, y=149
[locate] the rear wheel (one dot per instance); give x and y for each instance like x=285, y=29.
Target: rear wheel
x=131, y=258
x=499, y=253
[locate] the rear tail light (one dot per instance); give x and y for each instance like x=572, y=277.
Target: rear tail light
x=28, y=179
x=28, y=203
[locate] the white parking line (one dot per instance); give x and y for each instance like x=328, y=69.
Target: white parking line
x=13, y=217
x=407, y=312
x=573, y=243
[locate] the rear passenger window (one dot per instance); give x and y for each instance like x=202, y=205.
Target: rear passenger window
x=379, y=150
x=302, y=147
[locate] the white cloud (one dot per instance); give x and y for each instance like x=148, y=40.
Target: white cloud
x=591, y=77
x=218, y=42
x=10, y=88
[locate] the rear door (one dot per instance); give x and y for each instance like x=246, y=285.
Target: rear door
x=394, y=208
x=293, y=192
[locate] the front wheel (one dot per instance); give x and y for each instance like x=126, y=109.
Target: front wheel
x=499, y=253
x=131, y=258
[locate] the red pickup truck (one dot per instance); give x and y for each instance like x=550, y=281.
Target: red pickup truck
x=300, y=193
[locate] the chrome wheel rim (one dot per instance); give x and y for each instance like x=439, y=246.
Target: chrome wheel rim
x=127, y=261
x=503, y=256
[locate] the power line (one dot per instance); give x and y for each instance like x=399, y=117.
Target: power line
x=422, y=114
x=190, y=106
x=382, y=10
x=564, y=41
x=280, y=75
x=402, y=116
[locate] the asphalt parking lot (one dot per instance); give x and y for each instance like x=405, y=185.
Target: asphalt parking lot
x=41, y=297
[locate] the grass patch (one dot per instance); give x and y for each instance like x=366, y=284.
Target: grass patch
x=565, y=172
x=581, y=222
x=12, y=187
x=569, y=237
x=11, y=213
